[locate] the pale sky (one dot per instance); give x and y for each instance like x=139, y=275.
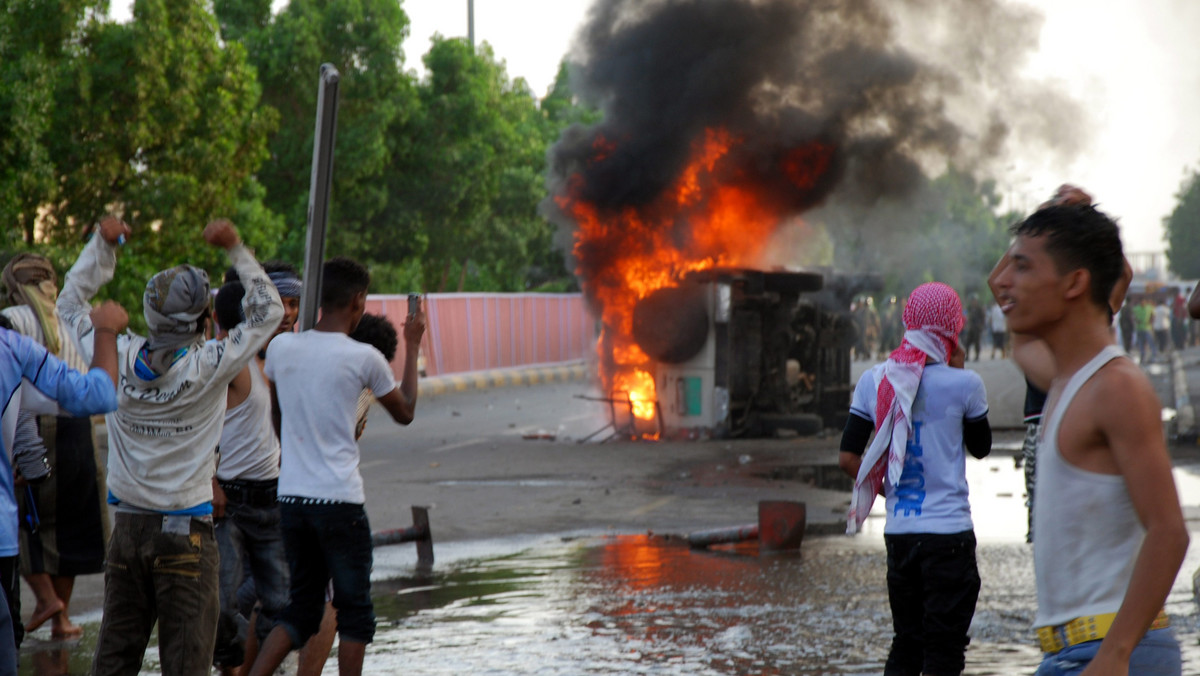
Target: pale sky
x=1133, y=63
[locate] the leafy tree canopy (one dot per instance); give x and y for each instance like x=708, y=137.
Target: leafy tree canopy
x=1182, y=229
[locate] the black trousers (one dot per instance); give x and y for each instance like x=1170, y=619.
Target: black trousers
x=933, y=584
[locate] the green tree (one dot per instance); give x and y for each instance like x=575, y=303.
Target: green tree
x=562, y=108
x=362, y=38
x=1182, y=229
x=548, y=268
x=156, y=119
x=242, y=20
x=470, y=176
x=36, y=52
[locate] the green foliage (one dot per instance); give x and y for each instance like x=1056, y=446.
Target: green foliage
x=362, y=39
x=36, y=45
x=191, y=111
x=1182, y=229
x=471, y=172
x=155, y=119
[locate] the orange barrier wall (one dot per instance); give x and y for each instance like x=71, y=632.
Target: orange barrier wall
x=483, y=331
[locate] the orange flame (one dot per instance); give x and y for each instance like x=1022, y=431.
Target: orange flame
x=639, y=385
x=711, y=216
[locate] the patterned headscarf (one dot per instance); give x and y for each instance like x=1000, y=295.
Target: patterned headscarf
x=173, y=304
x=31, y=280
x=287, y=283
x=933, y=319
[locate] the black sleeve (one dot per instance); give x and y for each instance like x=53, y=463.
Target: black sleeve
x=857, y=434
x=977, y=437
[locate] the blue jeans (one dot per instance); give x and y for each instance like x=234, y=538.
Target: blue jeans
x=1157, y=654
x=250, y=540
x=328, y=542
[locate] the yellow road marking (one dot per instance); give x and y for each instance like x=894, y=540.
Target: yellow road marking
x=645, y=509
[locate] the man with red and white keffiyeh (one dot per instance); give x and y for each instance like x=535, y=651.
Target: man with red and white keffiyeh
x=924, y=410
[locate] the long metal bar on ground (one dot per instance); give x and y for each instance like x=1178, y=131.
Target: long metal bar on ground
x=318, y=193
x=717, y=536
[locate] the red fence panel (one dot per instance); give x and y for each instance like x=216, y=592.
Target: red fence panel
x=483, y=331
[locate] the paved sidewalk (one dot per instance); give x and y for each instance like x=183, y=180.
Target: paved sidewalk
x=521, y=375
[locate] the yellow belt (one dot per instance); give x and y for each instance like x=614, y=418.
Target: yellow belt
x=1084, y=629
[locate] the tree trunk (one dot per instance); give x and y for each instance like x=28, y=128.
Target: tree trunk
x=445, y=275
x=462, y=276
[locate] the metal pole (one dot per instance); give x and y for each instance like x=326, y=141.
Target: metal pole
x=471, y=23
x=318, y=194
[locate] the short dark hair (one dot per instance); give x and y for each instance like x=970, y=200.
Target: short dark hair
x=279, y=266
x=268, y=267
x=342, y=279
x=228, y=305
x=1080, y=236
x=378, y=332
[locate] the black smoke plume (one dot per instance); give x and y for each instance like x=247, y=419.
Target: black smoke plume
x=899, y=89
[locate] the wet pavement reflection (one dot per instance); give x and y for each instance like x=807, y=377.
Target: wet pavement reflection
x=636, y=604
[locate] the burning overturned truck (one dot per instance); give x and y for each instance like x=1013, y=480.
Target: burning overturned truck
x=701, y=336
x=741, y=352
x=740, y=144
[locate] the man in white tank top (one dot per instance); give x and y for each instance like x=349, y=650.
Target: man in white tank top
x=245, y=505
x=1110, y=532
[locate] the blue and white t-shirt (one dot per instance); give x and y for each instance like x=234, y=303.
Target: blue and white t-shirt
x=932, y=494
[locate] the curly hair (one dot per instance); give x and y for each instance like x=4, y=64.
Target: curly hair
x=378, y=332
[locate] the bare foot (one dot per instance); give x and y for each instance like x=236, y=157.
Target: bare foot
x=41, y=613
x=63, y=628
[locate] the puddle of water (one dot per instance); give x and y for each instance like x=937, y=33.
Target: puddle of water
x=644, y=604
x=829, y=477
x=639, y=604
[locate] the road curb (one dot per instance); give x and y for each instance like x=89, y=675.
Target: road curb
x=481, y=380
x=1185, y=415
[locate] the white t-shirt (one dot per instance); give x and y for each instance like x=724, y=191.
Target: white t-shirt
x=1162, y=318
x=996, y=321
x=932, y=495
x=318, y=376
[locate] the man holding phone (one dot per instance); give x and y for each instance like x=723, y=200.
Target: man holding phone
x=316, y=377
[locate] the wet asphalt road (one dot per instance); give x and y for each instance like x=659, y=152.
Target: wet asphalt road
x=552, y=556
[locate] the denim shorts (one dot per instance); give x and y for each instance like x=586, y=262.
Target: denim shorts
x=1157, y=654
x=328, y=543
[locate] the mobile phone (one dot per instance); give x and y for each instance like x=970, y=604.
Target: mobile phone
x=414, y=303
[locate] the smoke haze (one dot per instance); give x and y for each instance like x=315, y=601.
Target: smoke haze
x=898, y=91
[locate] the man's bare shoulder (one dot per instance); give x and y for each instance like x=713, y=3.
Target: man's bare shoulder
x=1120, y=390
